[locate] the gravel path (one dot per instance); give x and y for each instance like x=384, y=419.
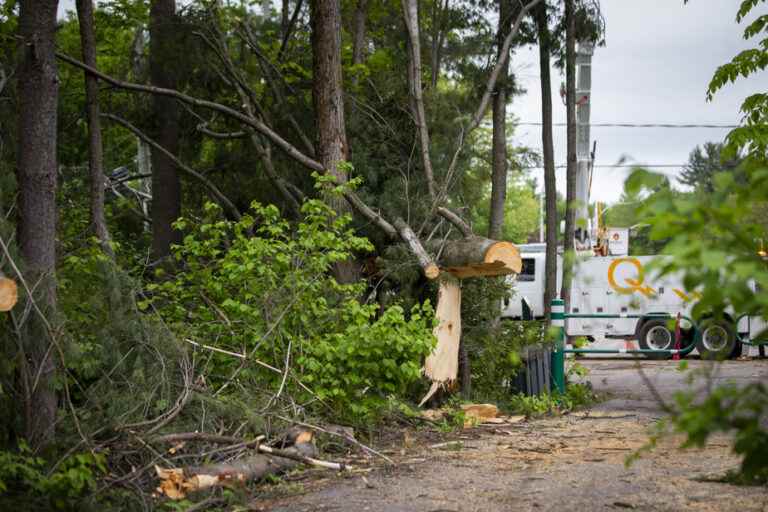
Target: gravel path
x=570, y=463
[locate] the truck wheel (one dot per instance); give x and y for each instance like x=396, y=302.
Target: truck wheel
x=716, y=339
x=656, y=335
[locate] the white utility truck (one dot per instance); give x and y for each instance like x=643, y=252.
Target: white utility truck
x=608, y=282
x=622, y=285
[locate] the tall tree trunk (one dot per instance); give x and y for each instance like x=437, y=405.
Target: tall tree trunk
x=358, y=32
x=499, y=141
x=166, y=188
x=328, y=99
x=550, y=189
x=570, y=101
x=38, y=89
x=438, y=39
x=95, y=150
x=285, y=13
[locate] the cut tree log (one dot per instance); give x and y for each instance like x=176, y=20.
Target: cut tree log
x=477, y=256
x=177, y=483
x=8, y=293
x=442, y=365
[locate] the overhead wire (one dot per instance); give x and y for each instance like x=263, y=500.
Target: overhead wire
x=643, y=125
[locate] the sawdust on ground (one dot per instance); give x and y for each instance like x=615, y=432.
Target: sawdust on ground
x=574, y=463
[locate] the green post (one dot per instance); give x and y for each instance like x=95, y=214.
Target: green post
x=557, y=320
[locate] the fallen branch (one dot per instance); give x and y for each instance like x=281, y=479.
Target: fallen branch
x=288, y=454
x=197, y=436
x=344, y=436
x=177, y=483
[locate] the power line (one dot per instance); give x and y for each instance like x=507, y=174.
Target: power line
x=644, y=125
x=611, y=166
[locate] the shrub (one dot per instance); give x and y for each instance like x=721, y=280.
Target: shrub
x=263, y=291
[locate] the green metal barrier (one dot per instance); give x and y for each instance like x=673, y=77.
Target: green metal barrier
x=557, y=320
x=747, y=341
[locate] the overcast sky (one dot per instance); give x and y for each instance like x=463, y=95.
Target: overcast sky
x=655, y=67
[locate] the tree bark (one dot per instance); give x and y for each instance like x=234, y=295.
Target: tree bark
x=477, y=256
x=438, y=39
x=328, y=99
x=95, y=149
x=358, y=32
x=499, y=139
x=38, y=89
x=550, y=188
x=411, y=16
x=166, y=187
x=570, y=101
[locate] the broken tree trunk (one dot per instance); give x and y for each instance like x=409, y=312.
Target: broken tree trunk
x=177, y=483
x=442, y=365
x=477, y=256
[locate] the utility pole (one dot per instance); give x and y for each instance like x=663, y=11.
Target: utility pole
x=584, y=54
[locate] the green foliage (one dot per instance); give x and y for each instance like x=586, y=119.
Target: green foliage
x=753, y=134
x=24, y=478
x=703, y=240
x=355, y=368
x=729, y=409
x=264, y=289
x=714, y=244
x=496, y=357
x=575, y=396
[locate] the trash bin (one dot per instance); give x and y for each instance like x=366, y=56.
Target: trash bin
x=533, y=377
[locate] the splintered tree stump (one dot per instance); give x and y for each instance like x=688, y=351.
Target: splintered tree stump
x=8, y=294
x=441, y=366
x=480, y=257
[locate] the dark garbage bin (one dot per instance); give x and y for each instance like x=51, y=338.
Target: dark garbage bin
x=533, y=378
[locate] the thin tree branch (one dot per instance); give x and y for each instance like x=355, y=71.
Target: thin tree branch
x=289, y=29
x=220, y=135
x=411, y=16
x=181, y=165
x=254, y=123
x=457, y=221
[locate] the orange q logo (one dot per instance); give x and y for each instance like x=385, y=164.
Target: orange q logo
x=634, y=284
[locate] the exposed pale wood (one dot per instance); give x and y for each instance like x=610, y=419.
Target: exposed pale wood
x=442, y=365
x=477, y=256
x=310, y=461
x=475, y=414
x=8, y=294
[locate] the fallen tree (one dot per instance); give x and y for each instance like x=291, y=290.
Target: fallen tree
x=177, y=483
x=476, y=256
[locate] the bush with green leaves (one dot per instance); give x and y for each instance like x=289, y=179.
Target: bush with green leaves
x=257, y=300
x=715, y=244
x=26, y=479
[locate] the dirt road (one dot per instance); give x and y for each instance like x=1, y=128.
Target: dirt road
x=569, y=463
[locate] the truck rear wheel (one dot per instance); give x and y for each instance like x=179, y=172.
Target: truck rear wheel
x=716, y=339
x=656, y=335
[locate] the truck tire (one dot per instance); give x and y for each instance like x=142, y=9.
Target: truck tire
x=656, y=335
x=716, y=339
